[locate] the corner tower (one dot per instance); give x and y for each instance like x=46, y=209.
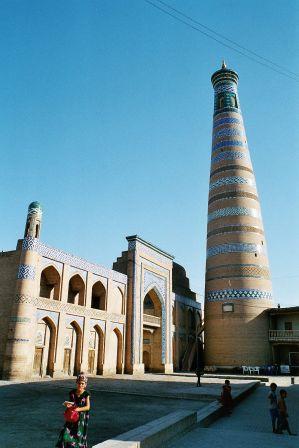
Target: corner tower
x=238, y=285
x=22, y=323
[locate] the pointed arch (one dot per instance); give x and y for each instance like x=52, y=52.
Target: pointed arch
x=98, y=296
x=77, y=347
x=76, y=290
x=50, y=283
x=119, y=353
x=100, y=349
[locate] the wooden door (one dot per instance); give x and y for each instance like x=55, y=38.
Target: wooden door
x=91, y=357
x=67, y=360
x=38, y=359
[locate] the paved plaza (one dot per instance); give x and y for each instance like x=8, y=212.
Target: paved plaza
x=249, y=426
x=34, y=412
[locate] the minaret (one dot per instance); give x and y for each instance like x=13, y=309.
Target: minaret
x=238, y=285
x=22, y=325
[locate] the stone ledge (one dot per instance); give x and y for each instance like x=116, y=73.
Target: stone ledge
x=156, y=432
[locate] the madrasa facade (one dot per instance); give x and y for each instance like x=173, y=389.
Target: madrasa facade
x=61, y=314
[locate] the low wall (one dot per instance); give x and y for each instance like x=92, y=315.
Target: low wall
x=157, y=432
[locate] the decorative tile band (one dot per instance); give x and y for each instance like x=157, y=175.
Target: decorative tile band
x=226, y=143
x=227, y=120
x=237, y=271
x=230, y=155
x=229, y=168
x=225, y=87
x=230, y=181
x=56, y=305
x=229, y=294
x=233, y=194
x=234, y=247
x=228, y=132
x=237, y=228
x=20, y=320
x=17, y=340
x=143, y=248
x=233, y=211
x=34, y=244
x=229, y=109
x=26, y=272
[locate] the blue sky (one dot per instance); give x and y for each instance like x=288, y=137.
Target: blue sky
x=106, y=115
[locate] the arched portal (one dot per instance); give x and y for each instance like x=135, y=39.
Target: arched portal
x=45, y=341
x=49, y=283
x=96, y=351
x=116, y=351
x=73, y=349
x=152, y=332
x=76, y=290
x=98, y=296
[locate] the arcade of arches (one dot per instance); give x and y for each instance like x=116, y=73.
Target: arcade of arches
x=70, y=315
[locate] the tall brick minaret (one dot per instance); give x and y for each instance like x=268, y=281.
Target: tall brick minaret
x=238, y=285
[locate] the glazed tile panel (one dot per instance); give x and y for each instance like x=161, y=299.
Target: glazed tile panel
x=232, y=180
x=233, y=211
x=233, y=248
x=230, y=294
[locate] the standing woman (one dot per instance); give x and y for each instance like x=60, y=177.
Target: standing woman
x=74, y=434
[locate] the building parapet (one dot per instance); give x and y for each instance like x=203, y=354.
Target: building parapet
x=52, y=253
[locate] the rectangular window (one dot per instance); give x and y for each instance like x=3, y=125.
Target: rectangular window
x=228, y=308
x=288, y=326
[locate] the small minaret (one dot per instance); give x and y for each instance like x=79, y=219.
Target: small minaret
x=238, y=285
x=22, y=326
x=34, y=220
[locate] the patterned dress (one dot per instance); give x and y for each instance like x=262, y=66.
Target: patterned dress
x=74, y=435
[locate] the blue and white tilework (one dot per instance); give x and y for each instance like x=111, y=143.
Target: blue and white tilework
x=230, y=155
x=225, y=87
x=69, y=318
x=34, y=244
x=233, y=211
x=150, y=280
x=229, y=294
x=234, y=247
x=26, y=272
x=41, y=314
x=228, y=132
x=230, y=181
x=94, y=322
x=228, y=143
x=227, y=120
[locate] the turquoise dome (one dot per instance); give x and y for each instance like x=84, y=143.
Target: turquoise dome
x=35, y=207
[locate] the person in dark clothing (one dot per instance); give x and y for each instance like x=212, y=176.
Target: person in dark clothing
x=283, y=414
x=226, y=397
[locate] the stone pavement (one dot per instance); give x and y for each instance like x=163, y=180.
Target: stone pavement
x=249, y=426
x=33, y=411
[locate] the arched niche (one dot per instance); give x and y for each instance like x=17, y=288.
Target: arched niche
x=49, y=283
x=76, y=290
x=98, y=296
x=152, y=304
x=45, y=343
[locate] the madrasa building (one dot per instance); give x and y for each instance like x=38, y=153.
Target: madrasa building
x=61, y=314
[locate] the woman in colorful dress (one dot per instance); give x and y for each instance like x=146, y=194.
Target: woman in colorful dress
x=74, y=435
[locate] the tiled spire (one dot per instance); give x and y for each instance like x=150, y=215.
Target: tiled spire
x=237, y=268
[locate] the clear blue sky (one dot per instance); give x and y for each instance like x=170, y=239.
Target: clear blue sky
x=106, y=114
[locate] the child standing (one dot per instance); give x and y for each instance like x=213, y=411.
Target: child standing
x=283, y=414
x=273, y=408
x=226, y=397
